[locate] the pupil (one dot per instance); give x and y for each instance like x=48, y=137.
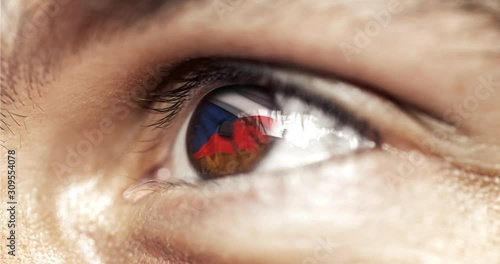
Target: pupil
x=226, y=129
x=230, y=131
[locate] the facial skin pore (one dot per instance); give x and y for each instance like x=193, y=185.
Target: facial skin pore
x=431, y=194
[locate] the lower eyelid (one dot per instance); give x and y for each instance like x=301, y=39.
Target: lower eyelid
x=322, y=189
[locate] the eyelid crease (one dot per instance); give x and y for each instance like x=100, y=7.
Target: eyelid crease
x=422, y=132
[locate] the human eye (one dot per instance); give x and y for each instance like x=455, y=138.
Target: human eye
x=215, y=118
x=253, y=118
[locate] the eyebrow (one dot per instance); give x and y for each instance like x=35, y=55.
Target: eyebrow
x=75, y=22
x=71, y=24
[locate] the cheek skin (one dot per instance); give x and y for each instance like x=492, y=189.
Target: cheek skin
x=351, y=206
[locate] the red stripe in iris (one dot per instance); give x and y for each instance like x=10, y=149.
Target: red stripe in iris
x=247, y=131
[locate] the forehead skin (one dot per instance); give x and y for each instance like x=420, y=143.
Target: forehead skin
x=440, y=216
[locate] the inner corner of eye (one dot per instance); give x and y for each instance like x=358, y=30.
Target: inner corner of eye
x=239, y=129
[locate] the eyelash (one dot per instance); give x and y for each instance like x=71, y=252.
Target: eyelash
x=186, y=79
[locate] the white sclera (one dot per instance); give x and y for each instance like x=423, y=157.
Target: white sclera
x=309, y=136
x=181, y=168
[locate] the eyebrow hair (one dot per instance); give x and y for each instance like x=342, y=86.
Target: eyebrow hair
x=48, y=30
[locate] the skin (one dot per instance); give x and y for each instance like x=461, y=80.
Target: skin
x=430, y=194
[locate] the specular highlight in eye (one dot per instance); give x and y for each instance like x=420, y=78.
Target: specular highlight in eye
x=231, y=131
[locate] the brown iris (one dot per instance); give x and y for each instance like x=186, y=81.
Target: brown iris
x=229, y=131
